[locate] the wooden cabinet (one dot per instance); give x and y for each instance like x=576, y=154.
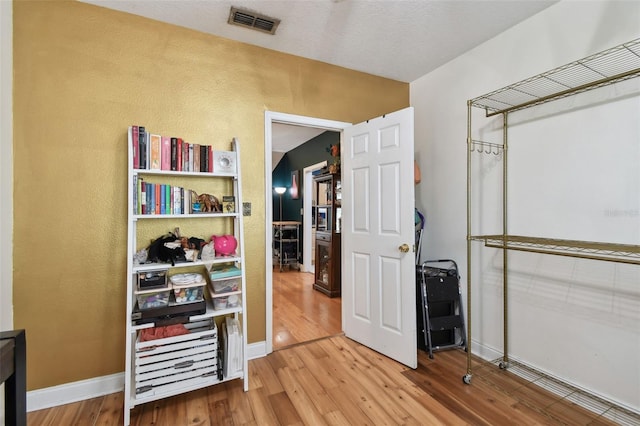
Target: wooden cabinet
x=328, y=218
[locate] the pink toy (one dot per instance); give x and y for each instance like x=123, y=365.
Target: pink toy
x=224, y=245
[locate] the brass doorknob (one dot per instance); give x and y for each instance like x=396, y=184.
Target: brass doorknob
x=404, y=248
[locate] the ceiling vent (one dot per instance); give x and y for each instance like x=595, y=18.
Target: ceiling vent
x=256, y=21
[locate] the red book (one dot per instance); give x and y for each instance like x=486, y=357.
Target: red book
x=158, y=198
x=143, y=197
x=179, y=158
x=136, y=147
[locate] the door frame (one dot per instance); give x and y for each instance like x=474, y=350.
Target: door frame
x=271, y=117
x=6, y=169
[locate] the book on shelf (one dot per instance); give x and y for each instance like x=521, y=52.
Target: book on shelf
x=176, y=200
x=174, y=154
x=191, y=166
x=228, y=204
x=158, y=198
x=204, y=162
x=134, y=194
x=179, y=155
x=196, y=157
x=210, y=158
x=165, y=163
x=155, y=142
x=163, y=200
x=187, y=207
x=142, y=143
x=153, y=151
x=168, y=192
x=142, y=197
x=135, y=146
x=185, y=156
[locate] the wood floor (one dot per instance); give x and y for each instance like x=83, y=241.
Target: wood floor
x=300, y=313
x=335, y=381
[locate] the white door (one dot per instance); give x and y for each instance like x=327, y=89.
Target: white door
x=378, y=263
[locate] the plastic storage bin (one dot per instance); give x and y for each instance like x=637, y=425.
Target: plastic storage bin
x=220, y=303
x=226, y=285
x=154, y=298
x=152, y=279
x=226, y=302
x=188, y=288
x=188, y=293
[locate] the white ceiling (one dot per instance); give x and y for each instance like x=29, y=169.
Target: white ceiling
x=398, y=39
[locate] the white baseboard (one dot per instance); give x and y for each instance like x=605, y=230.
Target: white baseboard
x=99, y=386
x=75, y=391
x=256, y=350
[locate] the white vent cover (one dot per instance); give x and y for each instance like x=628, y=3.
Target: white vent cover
x=256, y=21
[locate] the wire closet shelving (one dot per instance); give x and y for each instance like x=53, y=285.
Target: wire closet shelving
x=610, y=66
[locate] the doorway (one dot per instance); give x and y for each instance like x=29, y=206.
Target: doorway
x=270, y=119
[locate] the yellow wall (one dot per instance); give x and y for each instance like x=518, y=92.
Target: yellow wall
x=82, y=74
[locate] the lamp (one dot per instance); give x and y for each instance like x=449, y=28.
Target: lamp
x=280, y=190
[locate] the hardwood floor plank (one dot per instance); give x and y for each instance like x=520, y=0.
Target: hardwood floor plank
x=317, y=393
x=45, y=417
x=262, y=408
x=359, y=377
x=80, y=413
x=335, y=418
x=112, y=410
x=198, y=413
x=570, y=413
x=66, y=414
x=88, y=411
x=284, y=409
x=377, y=413
x=299, y=398
x=221, y=413
x=315, y=366
x=347, y=398
x=265, y=373
x=238, y=402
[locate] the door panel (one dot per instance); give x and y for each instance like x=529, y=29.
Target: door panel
x=378, y=281
x=362, y=286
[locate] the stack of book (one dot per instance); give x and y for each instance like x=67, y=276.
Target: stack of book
x=156, y=198
x=152, y=151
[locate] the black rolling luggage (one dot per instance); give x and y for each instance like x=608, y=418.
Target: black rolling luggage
x=440, y=316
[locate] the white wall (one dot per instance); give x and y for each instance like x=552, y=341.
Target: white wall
x=573, y=175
